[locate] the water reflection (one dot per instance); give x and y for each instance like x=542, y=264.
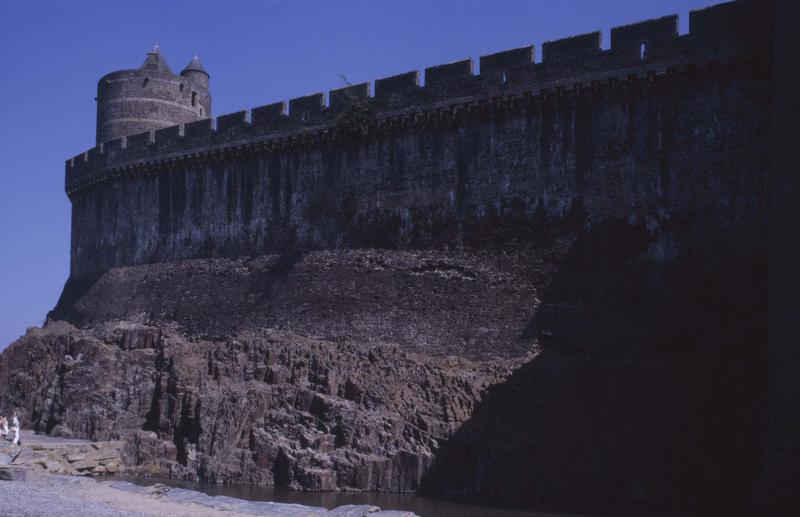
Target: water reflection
x=423, y=506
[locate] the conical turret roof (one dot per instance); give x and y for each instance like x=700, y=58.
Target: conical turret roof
x=155, y=61
x=194, y=66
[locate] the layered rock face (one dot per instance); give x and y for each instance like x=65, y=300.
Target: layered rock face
x=329, y=370
x=273, y=408
x=615, y=364
x=67, y=457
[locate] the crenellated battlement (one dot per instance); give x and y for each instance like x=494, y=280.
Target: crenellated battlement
x=649, y=53
x=655, y=129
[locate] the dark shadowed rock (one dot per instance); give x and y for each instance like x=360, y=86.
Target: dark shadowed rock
x=625, y=355
x=62, y=431
x=341, y=416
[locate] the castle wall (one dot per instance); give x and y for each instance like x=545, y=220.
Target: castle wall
x=659, y=131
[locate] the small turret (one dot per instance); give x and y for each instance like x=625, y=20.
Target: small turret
x=151, y=97
x=197, y=78
x=195, y=72
x=155, y=61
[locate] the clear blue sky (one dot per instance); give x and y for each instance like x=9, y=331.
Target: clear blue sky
x=53, y=52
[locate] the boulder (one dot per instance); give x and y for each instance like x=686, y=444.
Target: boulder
x=28, y=457
x=105, y=455
x=12, y=474
x=62, y=431
x=353, y=510
x=86, y=464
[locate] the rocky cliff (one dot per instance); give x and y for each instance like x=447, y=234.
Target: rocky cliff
x=611, y=364
x=267, y=408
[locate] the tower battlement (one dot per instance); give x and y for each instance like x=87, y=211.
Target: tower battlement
x=150, y=97
x=718, y=40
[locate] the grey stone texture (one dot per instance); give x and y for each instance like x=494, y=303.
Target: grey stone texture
x=676, y=132
x=151, y=97
x=60, y=456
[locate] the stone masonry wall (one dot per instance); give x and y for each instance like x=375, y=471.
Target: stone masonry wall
x=659, y=129
x=129, y=101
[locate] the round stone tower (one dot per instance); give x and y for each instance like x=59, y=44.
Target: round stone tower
x=151, y=97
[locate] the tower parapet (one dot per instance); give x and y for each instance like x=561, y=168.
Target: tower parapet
x=151, y=97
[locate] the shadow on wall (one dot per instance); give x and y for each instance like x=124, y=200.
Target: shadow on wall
x=78, y=286
x=75, y=288
x=646, y=388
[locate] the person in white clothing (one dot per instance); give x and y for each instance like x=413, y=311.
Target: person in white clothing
x=15, y=428
x=3, y=428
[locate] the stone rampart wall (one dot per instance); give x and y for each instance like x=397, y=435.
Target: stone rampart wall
x=657, y=129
